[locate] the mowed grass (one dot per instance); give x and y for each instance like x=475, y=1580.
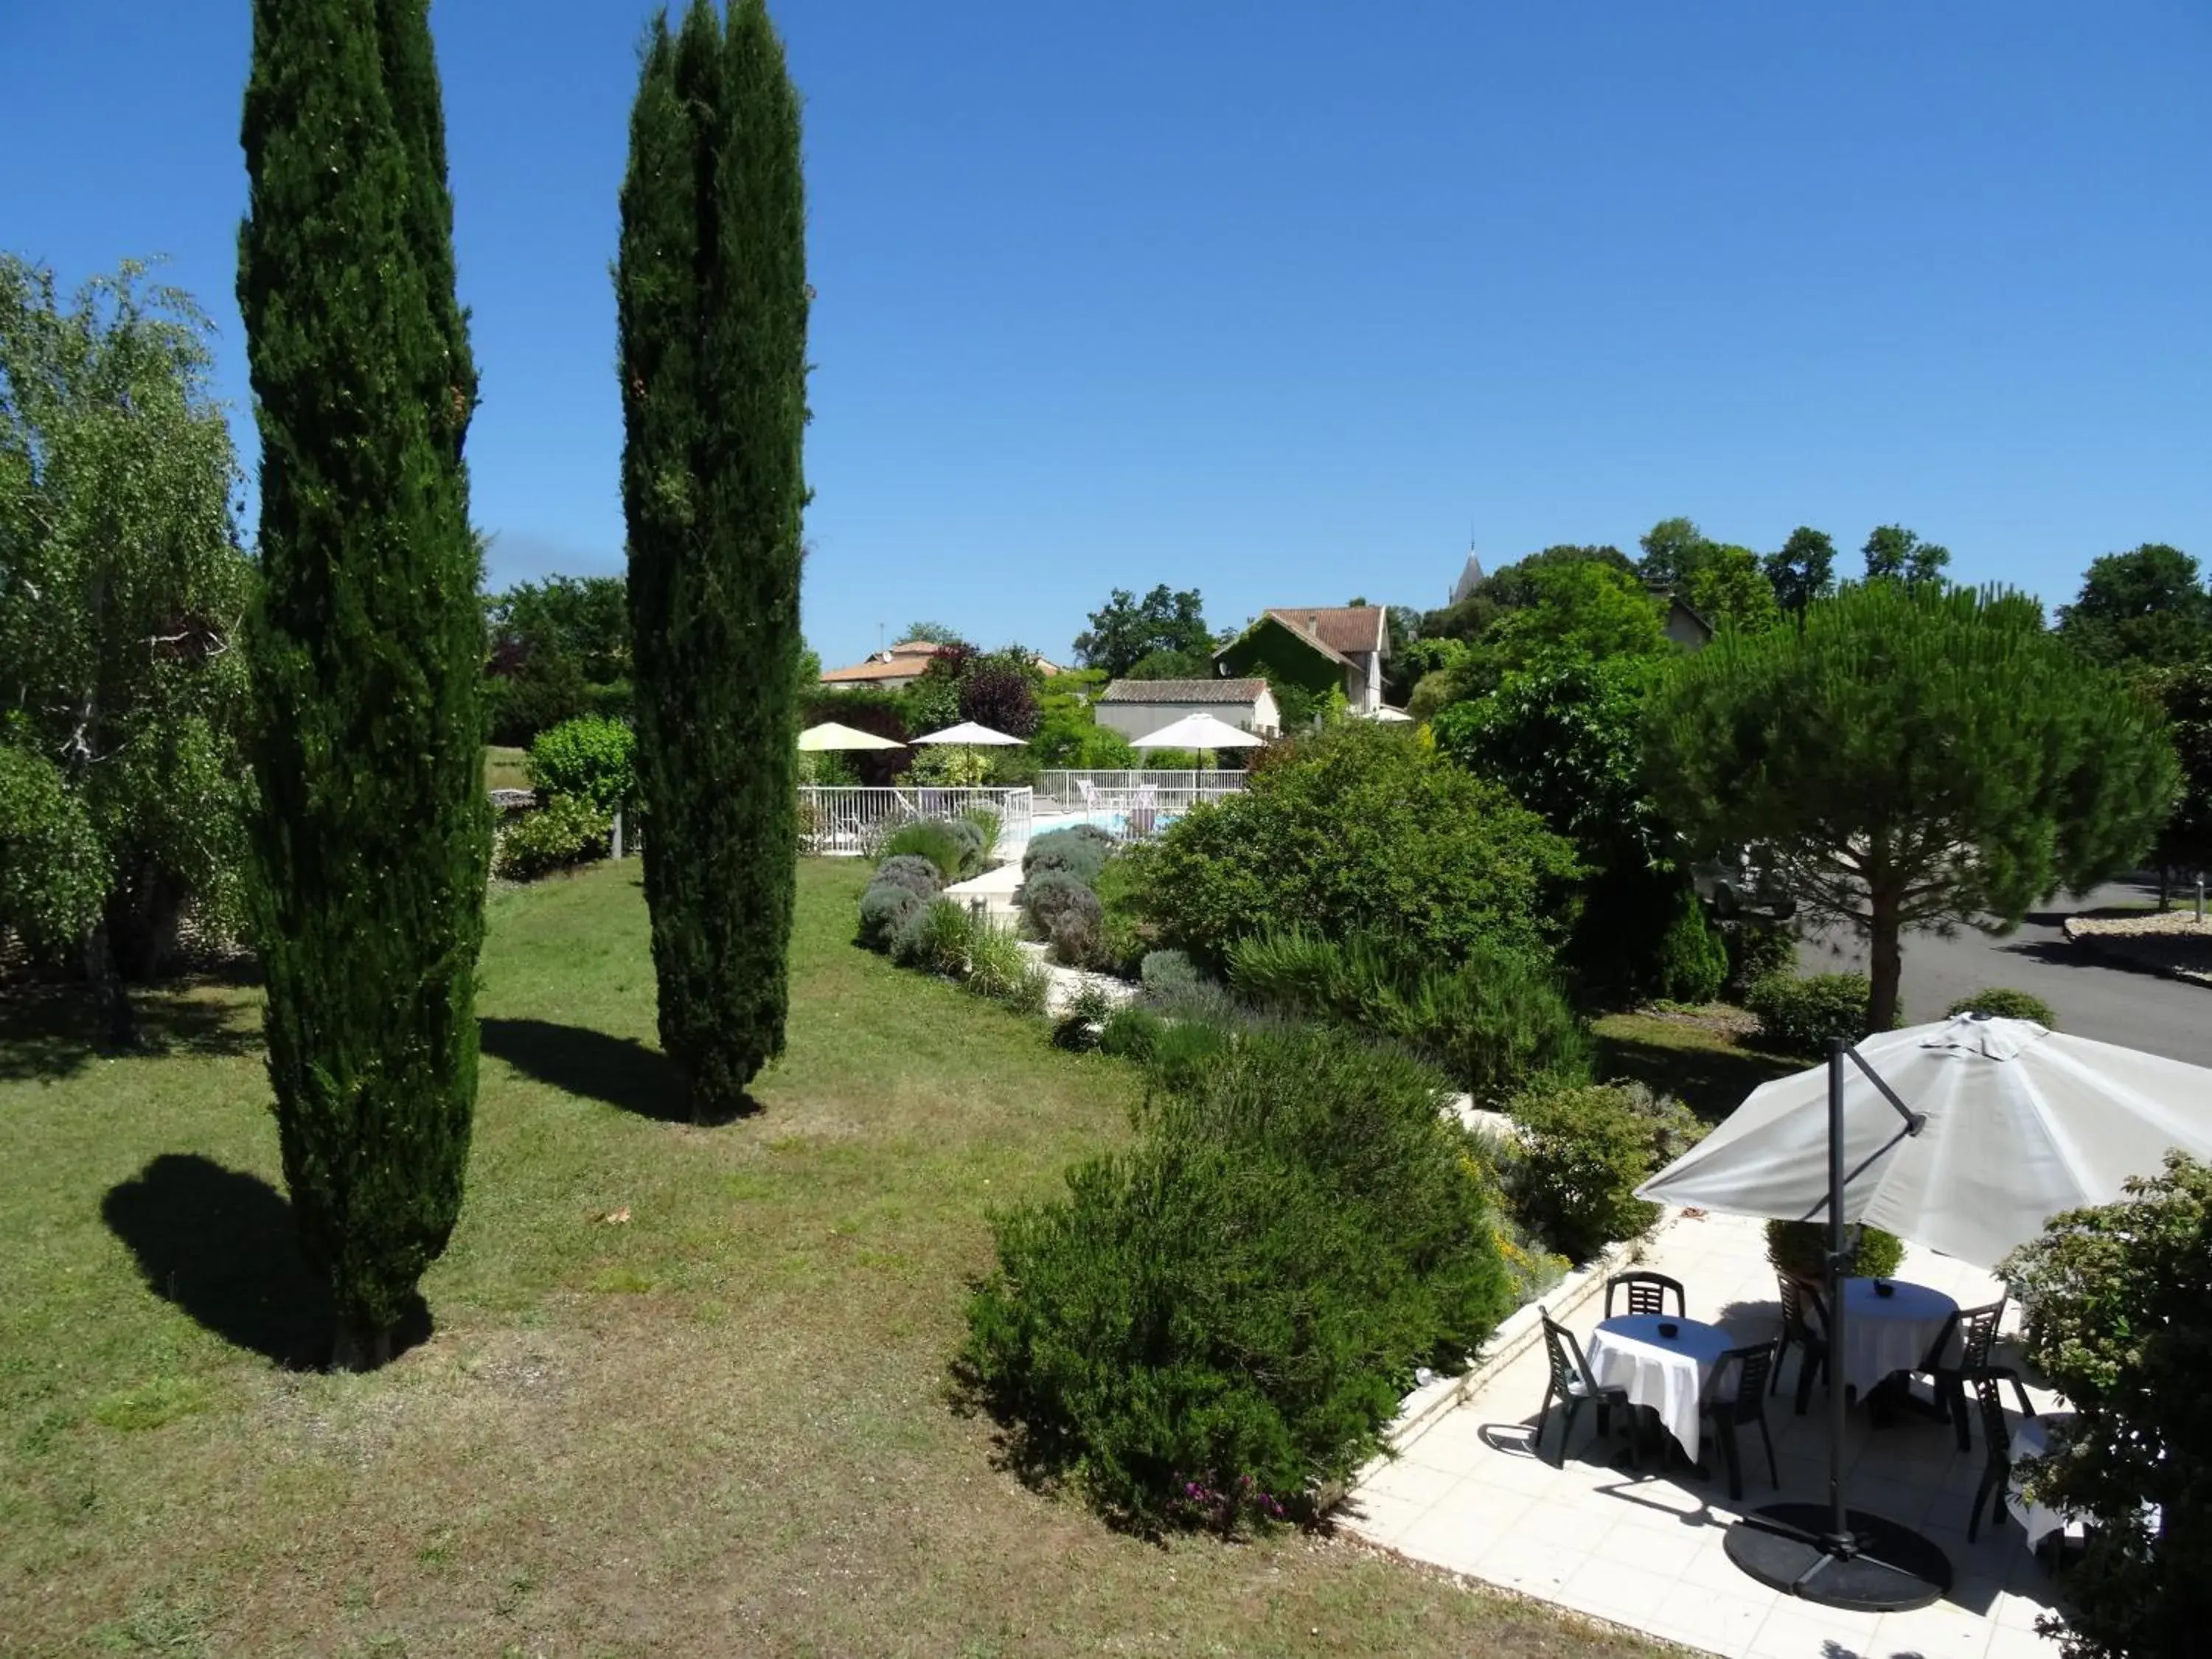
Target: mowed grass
x=1707, y=1066
x=504, y=767
x=721, y=1426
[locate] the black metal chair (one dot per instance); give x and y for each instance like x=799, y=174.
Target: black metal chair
x=1975, y=1330
x=1988, y=1382
x=1745, y=1403
x=1573, y=1387
x=1805, y=1327
x=1647, y=1293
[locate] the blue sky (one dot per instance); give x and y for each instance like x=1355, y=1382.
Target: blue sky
x=1284, y=301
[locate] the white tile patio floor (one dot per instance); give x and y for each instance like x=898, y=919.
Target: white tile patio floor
x=1645, y=1549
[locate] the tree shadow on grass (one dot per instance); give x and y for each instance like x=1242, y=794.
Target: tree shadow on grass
x=222, y=1247
x=50, y=1028
x=1712, y=1081
x=622, y=1072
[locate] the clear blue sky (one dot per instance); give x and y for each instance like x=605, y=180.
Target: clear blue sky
x=1282, y=300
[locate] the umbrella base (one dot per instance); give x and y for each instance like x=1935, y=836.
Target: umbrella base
x=1878, y=1566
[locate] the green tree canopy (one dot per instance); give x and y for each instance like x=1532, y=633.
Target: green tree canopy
x=1126, y=629
x=1802, y=569
x=1729, y=589
x=2148, y=606
x=712, y=304
x=1587, y=608
x=1914, y=756
x=1672, y=548
x=2184, y=694
x=586, y=619
x=1521, y=583
x=2120, y=1301
x=373, y=834
x=121, y=593
x=1896, y=554
x=931, y=633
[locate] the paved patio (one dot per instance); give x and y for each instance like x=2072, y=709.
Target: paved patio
x=1645, y=1549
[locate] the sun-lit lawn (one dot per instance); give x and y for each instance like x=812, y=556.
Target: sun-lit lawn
x=1696, y=1057
x=504, y=768
x=721, y=1426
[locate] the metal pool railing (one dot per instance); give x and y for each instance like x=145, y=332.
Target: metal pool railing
x=838, y=819
x=1172, y=791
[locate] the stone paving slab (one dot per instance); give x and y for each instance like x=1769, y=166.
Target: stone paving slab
x=1642, y=1548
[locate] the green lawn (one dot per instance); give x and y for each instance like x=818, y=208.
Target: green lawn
x=1704, y=1063
x=721, y=1426
x=504, y=768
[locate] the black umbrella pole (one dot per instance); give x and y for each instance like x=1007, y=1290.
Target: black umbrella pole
x=1840, y=1521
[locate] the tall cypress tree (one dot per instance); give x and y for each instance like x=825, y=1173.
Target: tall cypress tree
x=374, y=832
x=711, y=290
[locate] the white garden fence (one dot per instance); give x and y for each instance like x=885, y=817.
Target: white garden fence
x=839, y=819
x=1172, y=791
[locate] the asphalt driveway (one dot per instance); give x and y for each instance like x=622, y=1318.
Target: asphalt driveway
x=2091, y=998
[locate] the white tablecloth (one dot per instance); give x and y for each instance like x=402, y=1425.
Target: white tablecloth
x=1888, y=1333
x=1669, y=1375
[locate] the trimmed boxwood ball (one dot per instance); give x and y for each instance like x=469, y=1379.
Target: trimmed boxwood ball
x=908, y=870
x=884, y=908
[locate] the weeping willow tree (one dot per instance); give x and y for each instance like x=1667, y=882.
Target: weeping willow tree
x=711, y=291
x=373, y=830
x=1914, y=757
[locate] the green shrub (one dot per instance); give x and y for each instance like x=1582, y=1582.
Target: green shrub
x=1362, y=829
x=1185, y=1050
x=1692, y=957
x=1045, y=898
x=1079, y=939
x=1492, y=1023
x=1131, y=1033
x=1800, y=1249
x=1756, y=950
x=1031, y=994
x=2001, y=1004
x=935, y=939
x=986, y=824
x=885, y=908
x=1798, y=1016
x=1081, y=850
x=939, y=840
x=1167, y=971
x=1122, y=944
x=1083, y=1019
x=996, y=961
x=1229, y=1312
x=1582, y=1152
x=565, y=831
x=589, y=759
x=908, y=870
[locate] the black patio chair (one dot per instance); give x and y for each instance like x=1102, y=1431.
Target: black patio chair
x=1647, y=1293
x=1573, y=1387
x=1745, y=1402
x=1988, y=1383
x=1976, y=1332
x=1805, y=1327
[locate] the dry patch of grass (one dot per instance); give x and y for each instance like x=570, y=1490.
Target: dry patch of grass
x=686, y=1388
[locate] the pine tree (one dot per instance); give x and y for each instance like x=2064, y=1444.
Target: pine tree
x=374, y=832
x=711, y=288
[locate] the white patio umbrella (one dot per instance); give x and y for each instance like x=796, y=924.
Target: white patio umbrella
x=1198, y=732
x=830, y=735
x=2019, y=1123
x=1966, y=1137
x=968, y=732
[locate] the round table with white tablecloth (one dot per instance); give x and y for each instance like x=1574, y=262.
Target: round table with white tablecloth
x=2030, y=1439
x=1669, y=1374
x=1884, y=1334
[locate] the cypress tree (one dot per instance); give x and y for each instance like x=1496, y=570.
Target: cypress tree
x=711, y=290
x=373, y=835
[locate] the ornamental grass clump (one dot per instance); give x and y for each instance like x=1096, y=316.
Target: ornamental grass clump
x=1217, y=1323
